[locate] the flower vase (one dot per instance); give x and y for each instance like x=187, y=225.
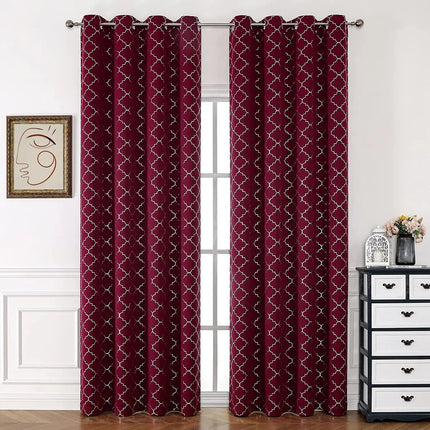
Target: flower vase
x=405, y=252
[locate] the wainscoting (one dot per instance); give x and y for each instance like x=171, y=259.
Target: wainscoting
x=39, y=341
x=353, y=340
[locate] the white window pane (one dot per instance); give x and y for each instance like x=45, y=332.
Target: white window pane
x=223, y=289
x=223, y=212
x=207, y=138
x=206, y=213
x=206, y=360
x=221, y=223
x=206, y=289
x=223, y=137
x=223, y=360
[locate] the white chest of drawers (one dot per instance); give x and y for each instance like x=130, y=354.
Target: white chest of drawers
x=394, y=343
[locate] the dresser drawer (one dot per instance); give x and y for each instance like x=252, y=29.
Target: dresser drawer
x=400, y=372
x=415, y=399
x=419, y=287
x=392, y=287
x=400, y=315
x=401, y=343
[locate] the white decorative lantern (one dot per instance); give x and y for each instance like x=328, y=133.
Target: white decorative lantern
x=377, y=248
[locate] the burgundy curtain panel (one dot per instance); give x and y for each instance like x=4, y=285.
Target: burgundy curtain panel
x=288, y=89
x=140, y=210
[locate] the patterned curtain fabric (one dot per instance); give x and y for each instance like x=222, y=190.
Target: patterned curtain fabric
x=288, y=89
x=140, y=228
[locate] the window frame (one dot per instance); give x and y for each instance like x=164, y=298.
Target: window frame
x=215, y=328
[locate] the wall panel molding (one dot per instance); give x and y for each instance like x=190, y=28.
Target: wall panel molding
x=39, y=338
x=39, y=273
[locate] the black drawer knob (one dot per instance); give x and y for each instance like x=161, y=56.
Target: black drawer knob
x=389, y=286
x=407, y=314
x=407, y=398
x=425, y=286
x=408, y=342
x=408, y=369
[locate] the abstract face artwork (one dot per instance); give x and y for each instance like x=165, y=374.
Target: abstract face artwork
x=39, y=156
x=38, y=153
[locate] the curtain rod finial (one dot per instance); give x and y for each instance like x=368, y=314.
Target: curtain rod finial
x=71, y=24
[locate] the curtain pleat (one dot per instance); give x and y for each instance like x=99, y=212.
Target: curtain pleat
x=289, y=216
x=189, y=129
x=247, y=219
x=140, y=229
x=97, y=220
x=337, y=107
x=305, y=52
x=273, y=200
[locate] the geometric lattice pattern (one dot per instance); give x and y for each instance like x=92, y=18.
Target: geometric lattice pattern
x=140, y=216
x=289, y=265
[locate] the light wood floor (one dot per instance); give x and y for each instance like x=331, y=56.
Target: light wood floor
x=208, y=419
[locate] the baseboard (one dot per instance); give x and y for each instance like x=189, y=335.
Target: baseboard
x=39, y=401
x=221, y=400
x=214, y=400
x=70, y=402
x=64, y=402
x=352, y=402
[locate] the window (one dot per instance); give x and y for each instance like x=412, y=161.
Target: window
x=215, y=246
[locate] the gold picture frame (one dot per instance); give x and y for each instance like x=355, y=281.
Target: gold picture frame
x=39, y=156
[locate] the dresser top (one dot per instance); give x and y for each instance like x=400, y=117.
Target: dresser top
x=394, y=269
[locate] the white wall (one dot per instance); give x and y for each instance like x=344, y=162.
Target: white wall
x=389, y=90
x=389, y=129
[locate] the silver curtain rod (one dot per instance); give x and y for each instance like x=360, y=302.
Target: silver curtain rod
x=70, y=24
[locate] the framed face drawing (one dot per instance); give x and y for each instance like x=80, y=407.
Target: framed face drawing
x=39, y=156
